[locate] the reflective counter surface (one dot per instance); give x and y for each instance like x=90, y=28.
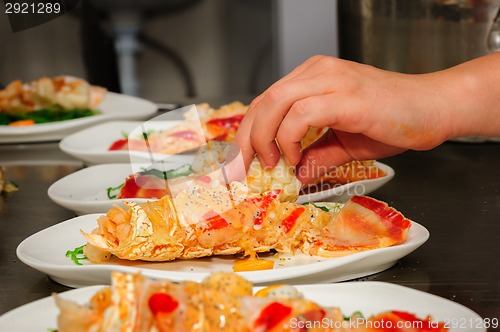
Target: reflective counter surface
x=453, y=190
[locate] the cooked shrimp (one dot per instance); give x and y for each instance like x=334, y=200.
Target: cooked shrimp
x=72, y=93
x=45, y=92
x=15, y=98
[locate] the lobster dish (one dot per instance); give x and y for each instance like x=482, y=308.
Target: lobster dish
x=221, y=302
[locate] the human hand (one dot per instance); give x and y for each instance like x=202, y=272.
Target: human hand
x=371, y=114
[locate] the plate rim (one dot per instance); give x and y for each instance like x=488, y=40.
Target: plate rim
x=292, y=272
x=85, y=206
x=59, y=128
x=106, y=156
x=370, y=289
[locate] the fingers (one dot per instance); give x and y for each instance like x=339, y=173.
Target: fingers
x=321, y=111
x=269, y=152
x=336, y=148
x=325, y=92
x=241, y=150
x=271, y=114
x=320, y=157
x=302, y=115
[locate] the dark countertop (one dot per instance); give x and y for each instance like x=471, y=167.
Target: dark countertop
x=453, y=190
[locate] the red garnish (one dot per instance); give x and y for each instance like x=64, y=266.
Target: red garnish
x=271, y=316
x=232, y=122
x=214, y=221
x=264, y=204
x=226, y=126
x=393, y=317
x=143, y=186
x=406, y=316
x=162, y=303
x=291, y=219
x=130, y=144
x=120, y=144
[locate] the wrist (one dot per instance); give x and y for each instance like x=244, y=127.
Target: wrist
x=471, y=94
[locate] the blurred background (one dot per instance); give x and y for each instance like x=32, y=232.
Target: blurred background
x=170, y=50
x=183, y=51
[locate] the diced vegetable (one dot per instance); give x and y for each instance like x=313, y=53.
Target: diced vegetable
x=162, y=303
x=253, y=265
x=20, y=123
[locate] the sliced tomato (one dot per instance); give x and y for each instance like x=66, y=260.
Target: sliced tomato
x=120, y=144
x=232, y=122
x=224, y=129
x=129, y=144
x=143, y=186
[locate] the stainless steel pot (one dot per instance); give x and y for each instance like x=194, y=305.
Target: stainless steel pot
x=417, y=36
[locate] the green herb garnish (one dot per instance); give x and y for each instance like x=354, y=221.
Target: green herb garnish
x=145, y=135
x=113, y=191
x=324, y=208
x=183, y=170
x=76, y=255
x=50, y=114
x=333, y=207
x=355, y=315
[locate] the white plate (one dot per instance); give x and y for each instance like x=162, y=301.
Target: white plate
x=344, y=192
x=45, y=251
x=85, y=191
x=369, y=297
x=91, y=144
x=113, y=107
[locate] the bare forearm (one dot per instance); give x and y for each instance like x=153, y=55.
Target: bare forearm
x=371, y=113
x=472, y=94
